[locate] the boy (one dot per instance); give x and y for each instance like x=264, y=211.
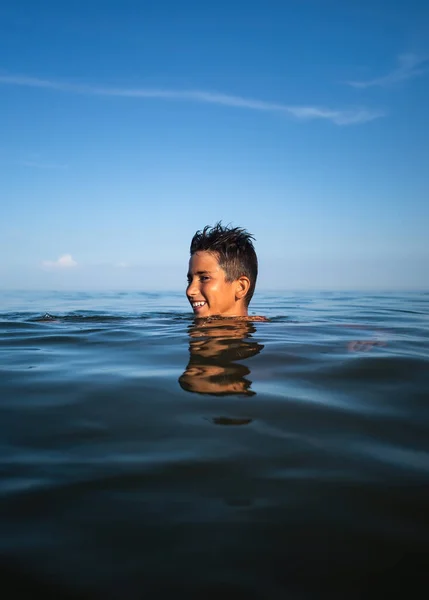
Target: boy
x=222, y=272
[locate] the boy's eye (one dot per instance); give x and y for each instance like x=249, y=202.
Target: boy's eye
x=202, y=278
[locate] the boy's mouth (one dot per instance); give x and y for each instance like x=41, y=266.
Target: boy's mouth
x=197, y=306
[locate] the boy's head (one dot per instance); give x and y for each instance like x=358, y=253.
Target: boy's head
x=222, y=271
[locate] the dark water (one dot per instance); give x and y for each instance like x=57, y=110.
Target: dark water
x=142, y=453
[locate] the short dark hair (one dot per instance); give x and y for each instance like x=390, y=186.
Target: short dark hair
x=234, y=250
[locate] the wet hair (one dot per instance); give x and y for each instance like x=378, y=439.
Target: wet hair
x=234, y=250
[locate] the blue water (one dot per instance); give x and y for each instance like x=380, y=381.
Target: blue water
x=143, y=452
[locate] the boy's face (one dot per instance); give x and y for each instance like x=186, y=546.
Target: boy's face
x=208, y=291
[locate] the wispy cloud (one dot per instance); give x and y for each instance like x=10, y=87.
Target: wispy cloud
x=63, y=262
x=409, y=66
x=40, y=164
x=302, y=112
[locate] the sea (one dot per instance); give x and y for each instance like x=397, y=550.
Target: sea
x=144, y=454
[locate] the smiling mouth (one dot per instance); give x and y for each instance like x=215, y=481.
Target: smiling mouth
x=198, y=305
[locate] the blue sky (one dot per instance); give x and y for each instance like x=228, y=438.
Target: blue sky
x=126, y=126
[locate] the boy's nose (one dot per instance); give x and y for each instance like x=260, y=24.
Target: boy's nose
x=192, y=289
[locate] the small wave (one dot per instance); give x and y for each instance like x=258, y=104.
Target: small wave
x=373, y=368
x=107, y=318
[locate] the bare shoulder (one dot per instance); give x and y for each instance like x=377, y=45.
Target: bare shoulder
x=256, y=318
x=233, y=319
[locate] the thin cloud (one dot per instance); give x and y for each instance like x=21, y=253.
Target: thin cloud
x=41, y=165
x=63, y=262
x=338, y=116
x=409, y=66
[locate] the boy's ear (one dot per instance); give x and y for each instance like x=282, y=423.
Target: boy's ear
x=242, y=287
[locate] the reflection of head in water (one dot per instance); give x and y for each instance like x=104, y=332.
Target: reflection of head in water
x=214, y=347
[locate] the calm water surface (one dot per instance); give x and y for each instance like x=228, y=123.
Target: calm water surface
x=143, y=453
